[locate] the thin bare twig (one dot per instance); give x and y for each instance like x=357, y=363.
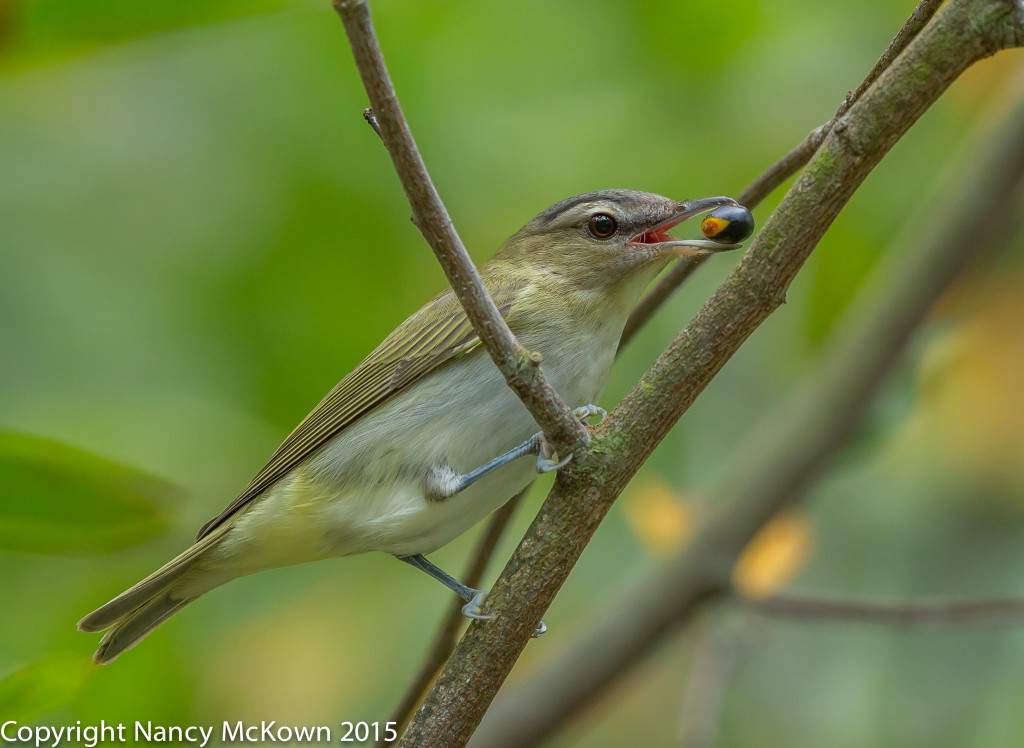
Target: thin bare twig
x=781, y=456
x=991, y=612
x=519, y=367
x=784, y=168
x=660, y=292
x=918, y=19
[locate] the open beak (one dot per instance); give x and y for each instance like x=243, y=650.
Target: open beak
x=668, y=244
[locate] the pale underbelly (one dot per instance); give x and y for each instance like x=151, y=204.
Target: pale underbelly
x=292, y=525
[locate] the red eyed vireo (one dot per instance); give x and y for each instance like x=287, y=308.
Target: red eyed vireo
x=419, y=442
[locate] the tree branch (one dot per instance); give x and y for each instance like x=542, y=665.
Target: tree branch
x=520, y=368
x=961, y=33
x=444, y=642
x=776, y=174
x=780, y=457
x=993, y=612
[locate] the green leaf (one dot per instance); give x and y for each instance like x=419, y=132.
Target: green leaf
x=60, y=500
x=44, y=686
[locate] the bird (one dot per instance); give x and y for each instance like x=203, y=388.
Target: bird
x=424, y=438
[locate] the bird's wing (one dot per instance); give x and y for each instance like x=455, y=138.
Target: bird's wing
x=443, y=333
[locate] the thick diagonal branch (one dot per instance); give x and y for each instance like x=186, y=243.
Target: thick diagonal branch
x=961, y=33
x=775, y=464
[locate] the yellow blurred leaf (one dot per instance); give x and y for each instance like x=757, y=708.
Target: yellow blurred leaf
x=970, y=410
x=658, y=517
x=776, y=554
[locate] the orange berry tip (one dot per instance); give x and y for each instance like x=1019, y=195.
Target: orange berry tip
x=728, y=224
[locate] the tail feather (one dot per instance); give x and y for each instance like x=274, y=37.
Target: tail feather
x=133, y=628
x=141, y=608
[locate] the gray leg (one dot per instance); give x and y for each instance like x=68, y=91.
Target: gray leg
x=445, y=483
x=474, y=598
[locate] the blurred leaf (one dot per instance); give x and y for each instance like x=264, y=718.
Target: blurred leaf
x=58, y=499
x=44, y=686
x=970, y=406
x=775, y=555
x=61, y=26
x=658, y=517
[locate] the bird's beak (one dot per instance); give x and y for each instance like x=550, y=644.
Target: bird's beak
x=667, y=244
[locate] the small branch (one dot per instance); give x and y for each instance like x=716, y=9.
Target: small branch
x=447, y=635
x=918, y=20
x=991, y=612
x=555, y=418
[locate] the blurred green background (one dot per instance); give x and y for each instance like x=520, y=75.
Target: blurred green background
x=199, y=236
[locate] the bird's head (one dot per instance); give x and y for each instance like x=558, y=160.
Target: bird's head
x=607, y=236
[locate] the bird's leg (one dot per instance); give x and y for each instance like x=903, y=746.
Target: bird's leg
x=443, y=482
x=474, y=598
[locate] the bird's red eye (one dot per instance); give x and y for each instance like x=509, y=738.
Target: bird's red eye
x=602, y=226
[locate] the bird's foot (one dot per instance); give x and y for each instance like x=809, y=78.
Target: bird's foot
x=474, y=609
x=588, y=411
x=545, y=454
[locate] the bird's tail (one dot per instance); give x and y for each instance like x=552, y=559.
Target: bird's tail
x=138, y=610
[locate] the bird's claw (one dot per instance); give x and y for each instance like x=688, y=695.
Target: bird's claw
x=588, y=411
x=474, y=609
x=545, y=454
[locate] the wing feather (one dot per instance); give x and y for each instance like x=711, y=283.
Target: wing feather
x=436, y=334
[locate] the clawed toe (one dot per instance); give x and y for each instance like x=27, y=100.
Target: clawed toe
x=548, y=465
x=545, y=456
x=588, y=411
x=473, y=609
